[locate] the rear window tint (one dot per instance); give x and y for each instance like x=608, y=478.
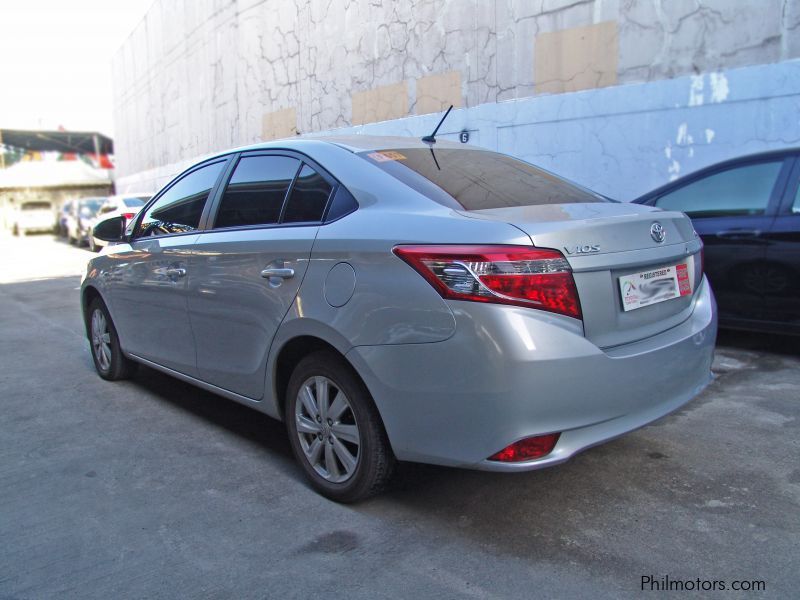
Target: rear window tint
x=256, y=191
x=476, y=179
x=308, y=198
x=342, y=204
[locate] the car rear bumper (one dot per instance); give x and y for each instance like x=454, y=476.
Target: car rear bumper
x=509, y=373
x=35, y=227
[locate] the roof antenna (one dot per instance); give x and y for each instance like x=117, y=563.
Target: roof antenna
x=431, y=139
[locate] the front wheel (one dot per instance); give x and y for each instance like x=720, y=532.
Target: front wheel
x=109, y=361
x=335, y=430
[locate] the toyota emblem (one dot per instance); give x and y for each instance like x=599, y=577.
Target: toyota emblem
x=657, y=232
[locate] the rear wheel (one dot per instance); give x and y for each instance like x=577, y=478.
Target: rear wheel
x=335, y=430
x=109, y=361
x=92, y=245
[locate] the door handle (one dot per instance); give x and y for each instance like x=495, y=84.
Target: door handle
x=175, y=272
x=738, y=233
x=283, y=273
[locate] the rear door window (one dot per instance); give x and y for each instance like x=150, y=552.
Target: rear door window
x=744, y=190
x=309, y=196
x=256, y=191
x=476, y=179
x=180, y=208
x=36, y=206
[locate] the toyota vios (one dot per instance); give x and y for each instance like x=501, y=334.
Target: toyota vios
x=393, y=299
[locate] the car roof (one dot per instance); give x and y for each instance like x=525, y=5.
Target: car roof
x=361, y=143
x=731, y=162
x=131, y=195
x=353, y=143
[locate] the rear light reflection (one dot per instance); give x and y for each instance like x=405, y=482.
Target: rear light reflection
x=520, y=275
x=702, y=259
x=527, y=449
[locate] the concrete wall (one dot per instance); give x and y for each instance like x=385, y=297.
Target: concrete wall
x=620, y=95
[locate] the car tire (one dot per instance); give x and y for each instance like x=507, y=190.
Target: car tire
x=323, y=443
x=16, y=230
x=109, y=361
x=92, y=246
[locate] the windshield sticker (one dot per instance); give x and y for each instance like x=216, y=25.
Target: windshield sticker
x=386, y=155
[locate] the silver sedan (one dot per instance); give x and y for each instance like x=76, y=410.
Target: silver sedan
x=396, y=299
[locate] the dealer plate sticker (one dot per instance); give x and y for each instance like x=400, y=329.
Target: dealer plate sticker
x=652, y=287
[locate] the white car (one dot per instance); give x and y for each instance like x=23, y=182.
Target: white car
x=33, y=216
x=123, y=205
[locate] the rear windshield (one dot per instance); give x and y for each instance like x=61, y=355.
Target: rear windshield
x=134, y=202
x=92, y=204
x=36, y=206
x=476, y=179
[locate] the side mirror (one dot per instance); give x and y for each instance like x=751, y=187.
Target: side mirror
x=110, y=230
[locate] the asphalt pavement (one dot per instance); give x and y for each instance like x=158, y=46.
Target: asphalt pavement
x=151, y=488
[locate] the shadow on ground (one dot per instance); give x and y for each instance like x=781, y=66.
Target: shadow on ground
x=759, y=342
x=245, y=422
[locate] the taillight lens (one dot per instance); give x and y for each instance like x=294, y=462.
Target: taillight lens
x=527, y=449
x=128, y=216
x=520, y=275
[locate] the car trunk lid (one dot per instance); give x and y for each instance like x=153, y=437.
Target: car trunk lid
x=606, y=241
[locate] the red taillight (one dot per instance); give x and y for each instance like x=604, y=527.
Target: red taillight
x=527, y=449
x=519, y=275
x=128, y=216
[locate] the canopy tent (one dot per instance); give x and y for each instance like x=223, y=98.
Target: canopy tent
x=80, y=142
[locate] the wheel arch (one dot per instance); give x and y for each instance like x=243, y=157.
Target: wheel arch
x=88, y=295
x=297, y=339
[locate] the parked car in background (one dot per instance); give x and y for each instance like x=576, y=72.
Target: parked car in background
x=395, y=299
x=124, y=205
x=747, y=211
x=63, y=218
x=33, y=217
x=79, y=218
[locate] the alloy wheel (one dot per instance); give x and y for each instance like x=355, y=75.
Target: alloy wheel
x=327, y=429
x=101, y=339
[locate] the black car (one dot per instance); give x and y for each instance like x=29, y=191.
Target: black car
x=747, y=211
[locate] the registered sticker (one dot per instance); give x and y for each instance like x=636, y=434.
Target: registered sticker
x=651, y=287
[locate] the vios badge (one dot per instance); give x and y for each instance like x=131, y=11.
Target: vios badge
x=582, y=249
x=657, y=232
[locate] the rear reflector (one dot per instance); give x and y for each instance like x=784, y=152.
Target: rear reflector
x=520, y=275
x=527, y=449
